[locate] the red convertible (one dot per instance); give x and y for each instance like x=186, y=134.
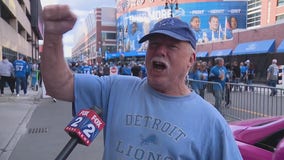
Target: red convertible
x=261, y=138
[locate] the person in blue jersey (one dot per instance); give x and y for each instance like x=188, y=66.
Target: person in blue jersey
x=125, y=69
x=195, y=26
x=214, y=32
x=195, y=75
x=86, y=69
x=243, y=69
x=203, y=77
x=143, y=69
x=218, y=74
x=134, y=36
x=157, y=117
x=20, y=67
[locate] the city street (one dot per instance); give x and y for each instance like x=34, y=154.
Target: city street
x=34, y=129
x=45, y=136
x=15, y=113
x=33, y=125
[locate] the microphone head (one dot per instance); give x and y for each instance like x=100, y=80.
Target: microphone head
x=86, y=126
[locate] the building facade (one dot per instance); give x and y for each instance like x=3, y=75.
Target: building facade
x=99, y=37
x=265, y=12
x=134, y=18
x=250, y=16
x=20, y=28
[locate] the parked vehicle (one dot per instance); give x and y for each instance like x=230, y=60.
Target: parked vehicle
x=260, y=138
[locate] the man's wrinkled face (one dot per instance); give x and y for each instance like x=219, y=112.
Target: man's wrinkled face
x=168, y=60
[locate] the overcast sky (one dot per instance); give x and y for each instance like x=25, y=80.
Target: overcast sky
x=81, y=9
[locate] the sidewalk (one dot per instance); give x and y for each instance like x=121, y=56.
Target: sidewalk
x=15, y=113
x=38, y=133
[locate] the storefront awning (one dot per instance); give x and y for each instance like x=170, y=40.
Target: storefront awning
x=256, y=47
x=134, y=54
x=280, y=48
x=111, y=56
x=126, y=54
x=201, y=54
x=224, y=52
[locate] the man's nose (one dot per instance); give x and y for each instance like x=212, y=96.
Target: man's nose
x=161, y=50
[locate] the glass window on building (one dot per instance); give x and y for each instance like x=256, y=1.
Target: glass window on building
x=254, y=3
x=109, y=36
x=280, y=2
x=280, y=17
x=253, y=19
x=254, y=13
x=10, y=54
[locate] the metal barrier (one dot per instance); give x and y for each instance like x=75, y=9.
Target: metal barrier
x=241, y=101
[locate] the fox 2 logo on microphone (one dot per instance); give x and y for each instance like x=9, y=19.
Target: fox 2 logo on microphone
x=86, y=126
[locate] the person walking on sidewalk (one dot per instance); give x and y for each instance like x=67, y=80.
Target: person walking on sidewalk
x=159, y=115
x=20, y=67
x=272, y=76
x=6, y=75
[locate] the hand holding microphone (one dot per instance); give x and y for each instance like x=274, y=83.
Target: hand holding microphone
x=83, y=129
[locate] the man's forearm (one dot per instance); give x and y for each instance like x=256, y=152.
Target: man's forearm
x=57, y=76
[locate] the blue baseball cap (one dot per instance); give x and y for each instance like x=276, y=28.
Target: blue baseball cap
x=174, y=28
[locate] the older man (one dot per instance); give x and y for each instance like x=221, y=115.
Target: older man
x=218, y=74
x=272, y=76
x=157, y=117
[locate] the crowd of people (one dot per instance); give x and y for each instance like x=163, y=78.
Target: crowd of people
x=17, y=75
x=226, y=77
x=159, y=111
x=131, y=68
x=164, y=117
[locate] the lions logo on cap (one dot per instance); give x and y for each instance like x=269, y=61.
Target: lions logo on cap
x=167, y=22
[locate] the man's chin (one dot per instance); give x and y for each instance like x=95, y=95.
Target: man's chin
x=156, y=80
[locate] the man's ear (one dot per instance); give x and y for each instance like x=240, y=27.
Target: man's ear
x=192, y=59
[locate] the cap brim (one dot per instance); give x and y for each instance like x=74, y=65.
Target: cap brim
x=164, y=32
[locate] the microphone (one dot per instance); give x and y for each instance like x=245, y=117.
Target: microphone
x=82, y=129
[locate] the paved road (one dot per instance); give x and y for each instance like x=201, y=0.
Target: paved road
x=32, y=128
x=15, y=113
x=45, y=136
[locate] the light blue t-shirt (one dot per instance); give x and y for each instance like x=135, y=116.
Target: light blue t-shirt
x=142, y=123
x=215, y=72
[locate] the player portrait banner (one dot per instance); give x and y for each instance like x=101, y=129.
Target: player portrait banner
x=210, y=21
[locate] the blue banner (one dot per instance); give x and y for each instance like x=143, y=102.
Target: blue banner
x=211, y=21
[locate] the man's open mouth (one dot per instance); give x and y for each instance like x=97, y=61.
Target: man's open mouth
x=159, y=65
